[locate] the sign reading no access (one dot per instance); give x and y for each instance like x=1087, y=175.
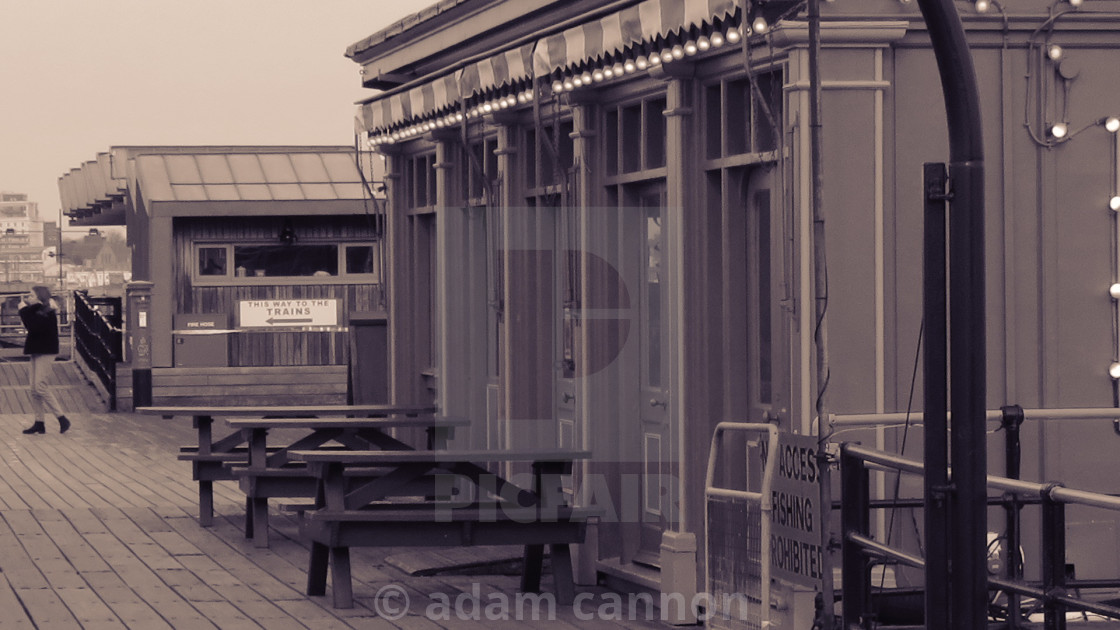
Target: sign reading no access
x=285, y=313
x=795, y=531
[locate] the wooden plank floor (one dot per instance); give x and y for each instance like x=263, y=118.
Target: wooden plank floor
x=98, y=529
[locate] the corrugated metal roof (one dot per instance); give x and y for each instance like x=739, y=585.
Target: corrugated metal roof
x=249, y=177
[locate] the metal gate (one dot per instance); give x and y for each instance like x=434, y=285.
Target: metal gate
x=737, y=530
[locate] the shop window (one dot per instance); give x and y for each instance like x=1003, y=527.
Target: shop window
x=253, y=263
x=359, y=259
x=635, y=137
x=549, y=154
x=483, y=166
x=611, y=133
x=740, y=119
x=212, y=261
x=420, y=180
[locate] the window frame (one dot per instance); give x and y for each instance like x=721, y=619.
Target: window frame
x=231, y=279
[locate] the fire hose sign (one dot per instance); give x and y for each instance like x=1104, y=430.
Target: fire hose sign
x=795, y=532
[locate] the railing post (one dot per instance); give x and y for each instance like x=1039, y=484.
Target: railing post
x=855, y=517
x=1053, y=559
x=935, y=375
x=1011, y=423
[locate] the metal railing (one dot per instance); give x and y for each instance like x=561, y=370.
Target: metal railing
x=1052, y=592
x=98, y=338
x=737, y=530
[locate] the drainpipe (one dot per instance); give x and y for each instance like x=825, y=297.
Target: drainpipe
x=967, y=589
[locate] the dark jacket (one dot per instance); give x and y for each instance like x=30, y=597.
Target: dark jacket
x=41, y=323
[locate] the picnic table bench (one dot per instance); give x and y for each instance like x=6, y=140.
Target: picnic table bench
x=215, y=460
x=270, y=473
x=374, y=513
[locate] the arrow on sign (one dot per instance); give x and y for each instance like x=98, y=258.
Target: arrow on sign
x=272, y=320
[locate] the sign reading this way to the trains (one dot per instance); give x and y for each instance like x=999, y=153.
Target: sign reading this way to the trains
x=795, y=532
x=285, y=313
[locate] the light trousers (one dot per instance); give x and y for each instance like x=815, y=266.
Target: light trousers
x=42, y=396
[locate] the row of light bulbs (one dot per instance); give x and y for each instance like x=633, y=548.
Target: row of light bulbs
x=1060, y=130
x=668, y=54
x=1112, y=123
x=982, y=6
x=629, y=65
x=504, y=101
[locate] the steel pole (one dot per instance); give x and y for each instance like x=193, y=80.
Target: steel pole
x=935, y=387
x=967, y=321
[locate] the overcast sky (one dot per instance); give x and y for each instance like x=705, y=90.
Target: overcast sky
x=80, y=76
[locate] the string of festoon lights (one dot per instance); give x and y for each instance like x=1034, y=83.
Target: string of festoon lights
x=1112, y=124
x=639, y=57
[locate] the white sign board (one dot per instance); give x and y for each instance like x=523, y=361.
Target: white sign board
x=286, y=313
x=795, y=532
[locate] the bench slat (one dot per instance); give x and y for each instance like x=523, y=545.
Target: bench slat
x=440, y=456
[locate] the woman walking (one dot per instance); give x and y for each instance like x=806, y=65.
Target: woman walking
x=41, y=321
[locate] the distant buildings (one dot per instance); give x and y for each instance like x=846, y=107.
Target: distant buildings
x=21, y=240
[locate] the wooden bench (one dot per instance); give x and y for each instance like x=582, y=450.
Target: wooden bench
x=212, y=460
x=371, y=514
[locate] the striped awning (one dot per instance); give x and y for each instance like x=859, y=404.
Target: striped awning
x=613, y=33
x=419, y=101
x=502, y=69
x=505, y=73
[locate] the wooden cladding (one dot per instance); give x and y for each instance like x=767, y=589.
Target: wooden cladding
x=262, y=347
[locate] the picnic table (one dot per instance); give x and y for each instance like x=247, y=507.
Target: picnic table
x=270, y=473
x=373, y=513
x=217, y=459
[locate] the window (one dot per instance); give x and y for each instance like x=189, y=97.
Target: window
x=211, y=261
x=635, y=136
x=255, y=263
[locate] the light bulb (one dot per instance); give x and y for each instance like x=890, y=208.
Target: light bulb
x=759, y=25
x=557, y=86
x=1054, y=52
x=666, y=56
x=1112, y=123
x=733, y=36
x=691, y=48
x=1075, y=3
x=630, y=66
x=577, y=80
x=586, y=76
x=703, y=43
x=677, y=51
x=608, y=72
x=643, y=62
x=717, y=39
x=1114, y=203
x=1059, y=130
x=569, y=84
x=1114, y=370
x=1114, y=290
x=982, y=6
x=598, y=75
x=620, y=68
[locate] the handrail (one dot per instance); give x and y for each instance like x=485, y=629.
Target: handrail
x=1054, y=497
x=917, y=417
x=763, y=497
x=99, y=341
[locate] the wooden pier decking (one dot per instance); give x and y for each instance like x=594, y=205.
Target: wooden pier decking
x=98, y=529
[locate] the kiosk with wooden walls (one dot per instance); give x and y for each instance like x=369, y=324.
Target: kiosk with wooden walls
x=258, y=257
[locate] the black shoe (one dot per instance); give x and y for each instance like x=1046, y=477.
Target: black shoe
x=63, y=424
x=38, y=427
